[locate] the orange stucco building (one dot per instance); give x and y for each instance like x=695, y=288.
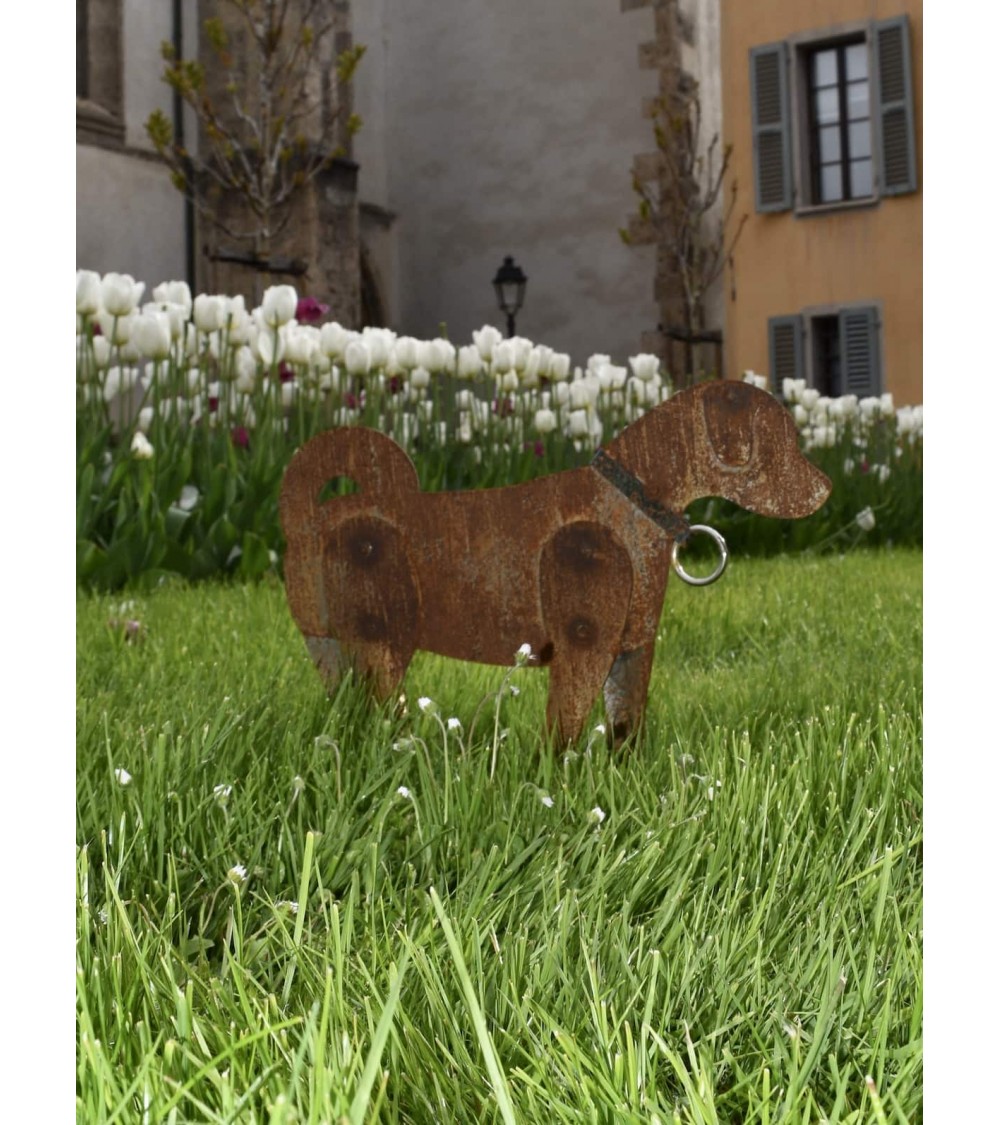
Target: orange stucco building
x=822, y=103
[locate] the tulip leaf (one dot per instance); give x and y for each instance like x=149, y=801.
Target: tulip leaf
x=256, y=558
x=89, y=558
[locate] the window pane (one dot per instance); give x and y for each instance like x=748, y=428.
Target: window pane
x=861, y=178
x=831, y=186
x=825, y=106
x=857, y=61
x=857, y=100
x=824, y=68
x=829, y=144
x=860, y=139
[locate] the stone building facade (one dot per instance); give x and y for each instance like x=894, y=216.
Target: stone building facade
x=486, y=132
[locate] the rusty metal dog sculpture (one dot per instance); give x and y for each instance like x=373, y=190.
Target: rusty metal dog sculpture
x=574, y=564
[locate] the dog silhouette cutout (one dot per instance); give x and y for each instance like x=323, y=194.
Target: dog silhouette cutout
x=575, y=564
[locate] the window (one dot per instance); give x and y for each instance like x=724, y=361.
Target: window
x=833, y=118
x=837, y=351
x=840, y=132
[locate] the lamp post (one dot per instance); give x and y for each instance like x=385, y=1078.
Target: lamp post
x=509, y=284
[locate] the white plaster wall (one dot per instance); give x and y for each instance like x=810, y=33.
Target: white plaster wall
x=511, y=129
x=371, y=149
x=129, y=216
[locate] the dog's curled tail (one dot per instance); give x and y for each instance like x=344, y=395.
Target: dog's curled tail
x=374, y=462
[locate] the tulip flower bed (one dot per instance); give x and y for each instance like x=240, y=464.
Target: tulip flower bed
x=189, y=410
x=297, y=909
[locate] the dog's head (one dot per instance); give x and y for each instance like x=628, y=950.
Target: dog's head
x=750, y=452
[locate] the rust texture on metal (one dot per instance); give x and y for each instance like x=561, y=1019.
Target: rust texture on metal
x=574, y=564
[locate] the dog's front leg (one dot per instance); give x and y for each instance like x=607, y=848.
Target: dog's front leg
x=626, y=690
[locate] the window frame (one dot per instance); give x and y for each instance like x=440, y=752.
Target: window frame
x=801, y=46
x=802, y=322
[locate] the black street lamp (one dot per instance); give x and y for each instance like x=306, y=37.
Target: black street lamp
x=509, y=284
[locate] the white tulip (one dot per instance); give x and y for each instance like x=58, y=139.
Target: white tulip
x=174, y=293
x=102, y=351
x=865, y=519
x=545, y=421
x=357, y=358
x=288, y=392
x=246, y=370
x=333, y=339
x=521, y=349
x=755, y=380
x=145, y=419
x=151, y=334
x=176, y=315
x=559, y=367
x=544, y=356
x=503, y=357
x=380, y=344
x=581, y=395
x=120, y=293
x=88, y=292
x=509, y=381
x=119, y=380
x=578, y=426
x=301, y=343
x=141, y=449
x=791, y=389
x=279, y=304
x=405, y=352
x=824, y=436
x=188, y=497
x=116, y=329
x=271, y=347
x=644, y=366
x=464, y=434
x=809, y=397
x=470, y=362
x=239, y=322
x=486, y=340
x=887, y=404
x=420, y=378
x=463, y=399
x=209, y=312
x=597, y=361
x=800, y=414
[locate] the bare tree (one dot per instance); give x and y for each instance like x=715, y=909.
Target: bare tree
x=680, y=207
x=269, y=122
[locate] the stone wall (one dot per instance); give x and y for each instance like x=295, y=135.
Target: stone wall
x=318, y=251
x=683, y=50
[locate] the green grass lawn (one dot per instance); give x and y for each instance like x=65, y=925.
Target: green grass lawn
x=722, y=925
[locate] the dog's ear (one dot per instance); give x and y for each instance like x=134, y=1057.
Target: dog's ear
x=728, y=409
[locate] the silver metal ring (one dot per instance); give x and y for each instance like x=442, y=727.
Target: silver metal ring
x=720, y=567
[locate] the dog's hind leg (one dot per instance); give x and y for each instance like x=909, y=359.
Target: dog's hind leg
x=586, y=585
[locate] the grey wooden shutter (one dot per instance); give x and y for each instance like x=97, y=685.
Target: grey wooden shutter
x=784, y=346
x=893, y=109
x=772, y=151
x=859, y=352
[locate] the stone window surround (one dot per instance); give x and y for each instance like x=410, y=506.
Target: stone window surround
x=100, y=115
